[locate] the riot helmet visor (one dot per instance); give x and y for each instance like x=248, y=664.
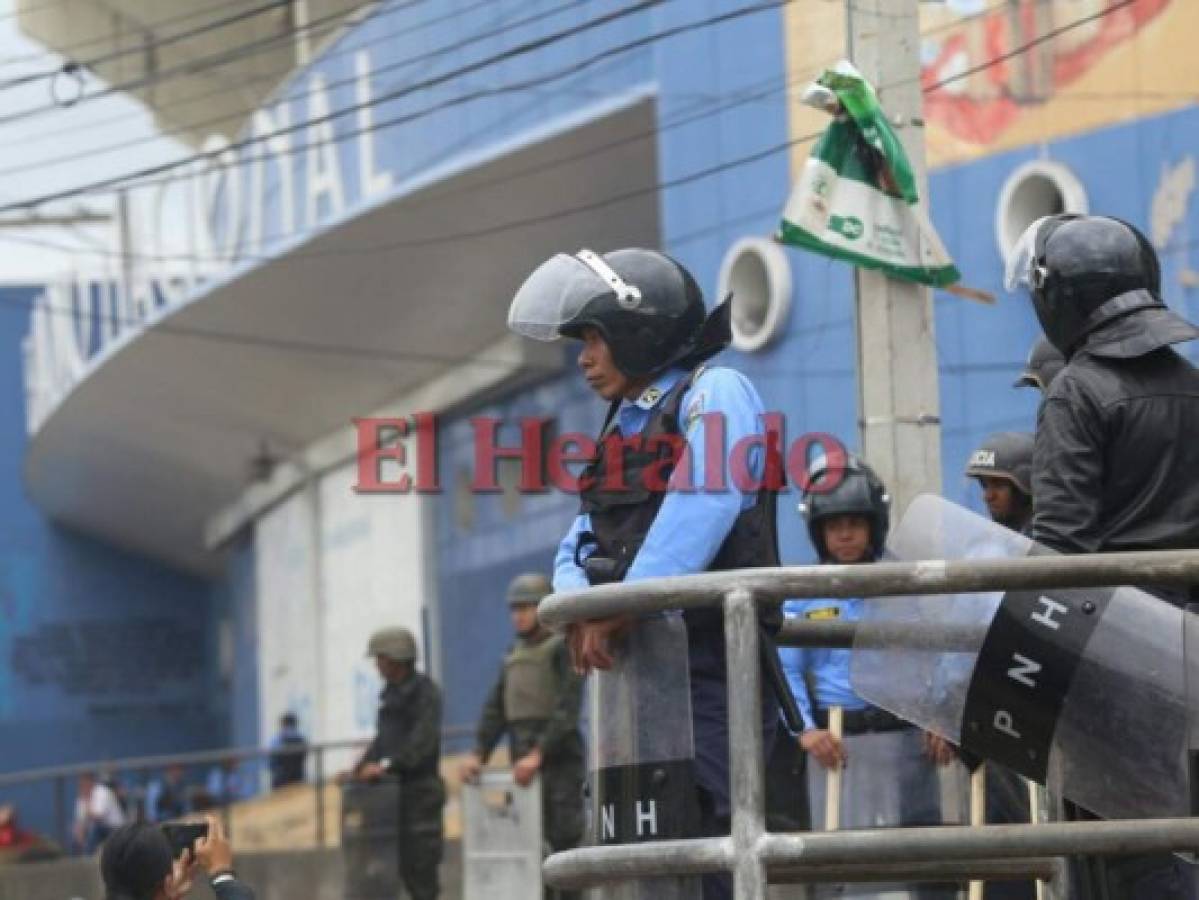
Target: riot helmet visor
x=1022, y=260
x=559, y=290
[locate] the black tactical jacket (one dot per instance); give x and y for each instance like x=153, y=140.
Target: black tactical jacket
x=409, y=730
x=1116, y=464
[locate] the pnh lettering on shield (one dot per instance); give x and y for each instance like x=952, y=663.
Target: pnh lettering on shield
x=1025, y=669
x=645, y=816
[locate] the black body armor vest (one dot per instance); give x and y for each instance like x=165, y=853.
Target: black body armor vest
x=622, y=506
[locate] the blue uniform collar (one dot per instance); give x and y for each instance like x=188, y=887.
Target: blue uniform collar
x=653, y=394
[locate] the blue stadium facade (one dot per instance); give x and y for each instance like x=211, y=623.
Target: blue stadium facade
x=447, y=158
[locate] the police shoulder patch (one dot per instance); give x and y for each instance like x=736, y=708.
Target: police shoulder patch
x=695, y=409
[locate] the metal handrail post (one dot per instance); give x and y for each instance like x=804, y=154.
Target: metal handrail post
x=746, y=752
x=60, y=812
x=320, y=797
x=751, y=853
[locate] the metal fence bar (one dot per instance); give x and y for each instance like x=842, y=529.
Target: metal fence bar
x=859, y=853
x=956, y=842
x=319, y=767
x=878, y=579
x=1042, y=868
x=747, y=779
x=60, y=812
x=587, y=867
x=840, y=633
x=956, y=853
x=201, y=757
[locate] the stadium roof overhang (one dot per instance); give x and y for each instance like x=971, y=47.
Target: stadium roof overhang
x=158, y=436
x=201, y=68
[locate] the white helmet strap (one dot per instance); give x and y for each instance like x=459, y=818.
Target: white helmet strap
x=627, y=295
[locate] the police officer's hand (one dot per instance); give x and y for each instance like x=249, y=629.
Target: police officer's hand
x=370, y=771
x=526, y=767
x=938, y=749
x=591, y=643
x=827, y=750
x=470, y=768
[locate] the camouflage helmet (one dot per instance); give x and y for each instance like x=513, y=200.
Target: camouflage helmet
x=396, y=643
x=1007, y=455
x=528, y=587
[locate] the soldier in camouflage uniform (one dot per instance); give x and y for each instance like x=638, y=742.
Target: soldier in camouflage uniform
x=407, y=746
x=536, y=701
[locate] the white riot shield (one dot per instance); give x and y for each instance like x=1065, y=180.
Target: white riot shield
x=501, y=838
x=641, y=780
x=889, y=781
x=1083, y=690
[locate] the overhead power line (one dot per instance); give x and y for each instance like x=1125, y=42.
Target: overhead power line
x=262, y=341
x=433, y=81
x=131, y=27
x=541, y=219
x=272, y=75
x=156, y=44
x=429, y=56
x=196, y=66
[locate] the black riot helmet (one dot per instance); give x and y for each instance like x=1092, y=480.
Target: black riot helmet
x=1082, y=272
x=1007, y=454
x=855, y=490
x=648, y=308
x=1044, y=362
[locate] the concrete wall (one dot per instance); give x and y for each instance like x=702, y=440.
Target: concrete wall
x=332, y=566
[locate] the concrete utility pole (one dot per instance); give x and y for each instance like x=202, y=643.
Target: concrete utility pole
x=898, y=395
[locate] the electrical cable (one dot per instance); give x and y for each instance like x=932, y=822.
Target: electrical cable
x=273, y=75
x=503, y=56
x=431, y=55
x=570, y=211
x=132, y=26
x=150, y=46
x=191, y=67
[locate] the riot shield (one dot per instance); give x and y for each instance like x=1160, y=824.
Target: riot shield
x=641, y=780
x=370, y=839
x=1082, y=689
x=501, y=838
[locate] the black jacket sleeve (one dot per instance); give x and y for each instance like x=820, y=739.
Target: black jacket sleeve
x=1068, y=471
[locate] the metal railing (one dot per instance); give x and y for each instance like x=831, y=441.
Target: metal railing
x=755, y=856
x=59, y=776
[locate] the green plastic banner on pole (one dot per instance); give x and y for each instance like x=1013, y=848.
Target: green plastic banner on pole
x=856, y=199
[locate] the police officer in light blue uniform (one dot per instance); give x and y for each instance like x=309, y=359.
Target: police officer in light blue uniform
x=645, y=338
x=890, y=773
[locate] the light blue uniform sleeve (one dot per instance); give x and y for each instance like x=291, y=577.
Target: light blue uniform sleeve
x=153, y=794
x=691, y=525
x=795, y=664
x=568, y=575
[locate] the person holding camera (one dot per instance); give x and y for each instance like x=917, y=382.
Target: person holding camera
x=150, y=862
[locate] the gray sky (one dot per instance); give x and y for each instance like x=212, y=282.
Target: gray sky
x=89, y=124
